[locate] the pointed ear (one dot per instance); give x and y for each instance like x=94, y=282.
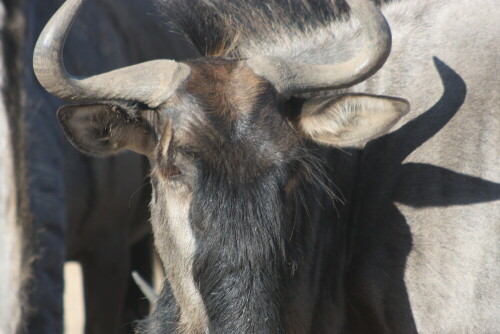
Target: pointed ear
x=103, y=130
x=350, y=120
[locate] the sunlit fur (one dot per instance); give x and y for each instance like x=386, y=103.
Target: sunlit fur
x=16, y=252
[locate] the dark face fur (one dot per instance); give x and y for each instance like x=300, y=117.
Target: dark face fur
x=227, y=155
x=226, y=149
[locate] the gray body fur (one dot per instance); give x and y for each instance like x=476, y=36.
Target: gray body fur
x=10, y=247
x=15, y=229
x=452, y=271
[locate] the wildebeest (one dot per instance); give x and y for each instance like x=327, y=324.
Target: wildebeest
x=73, y=199
x=247, y=178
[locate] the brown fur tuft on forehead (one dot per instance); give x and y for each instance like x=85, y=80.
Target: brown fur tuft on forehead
x=241, y=125
x=227, y=88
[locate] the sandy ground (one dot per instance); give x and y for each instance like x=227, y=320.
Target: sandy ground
x=74, y=313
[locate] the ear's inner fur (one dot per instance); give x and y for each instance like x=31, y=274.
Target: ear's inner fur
x=349, y=119
x=101, y=130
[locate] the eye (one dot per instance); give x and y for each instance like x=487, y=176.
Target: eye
x=171, y=171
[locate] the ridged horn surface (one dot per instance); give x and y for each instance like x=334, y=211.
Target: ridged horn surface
x=292, y=77
x=150, y=83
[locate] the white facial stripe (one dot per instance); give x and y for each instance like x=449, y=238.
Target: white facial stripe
x=175, y=241
x=166, y=139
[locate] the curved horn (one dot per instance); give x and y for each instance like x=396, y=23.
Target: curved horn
x=151, y=82
x=291, y=77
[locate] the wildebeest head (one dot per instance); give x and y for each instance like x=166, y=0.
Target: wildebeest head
x=227, y=140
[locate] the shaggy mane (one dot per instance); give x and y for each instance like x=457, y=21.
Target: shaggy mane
x=222, y=27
